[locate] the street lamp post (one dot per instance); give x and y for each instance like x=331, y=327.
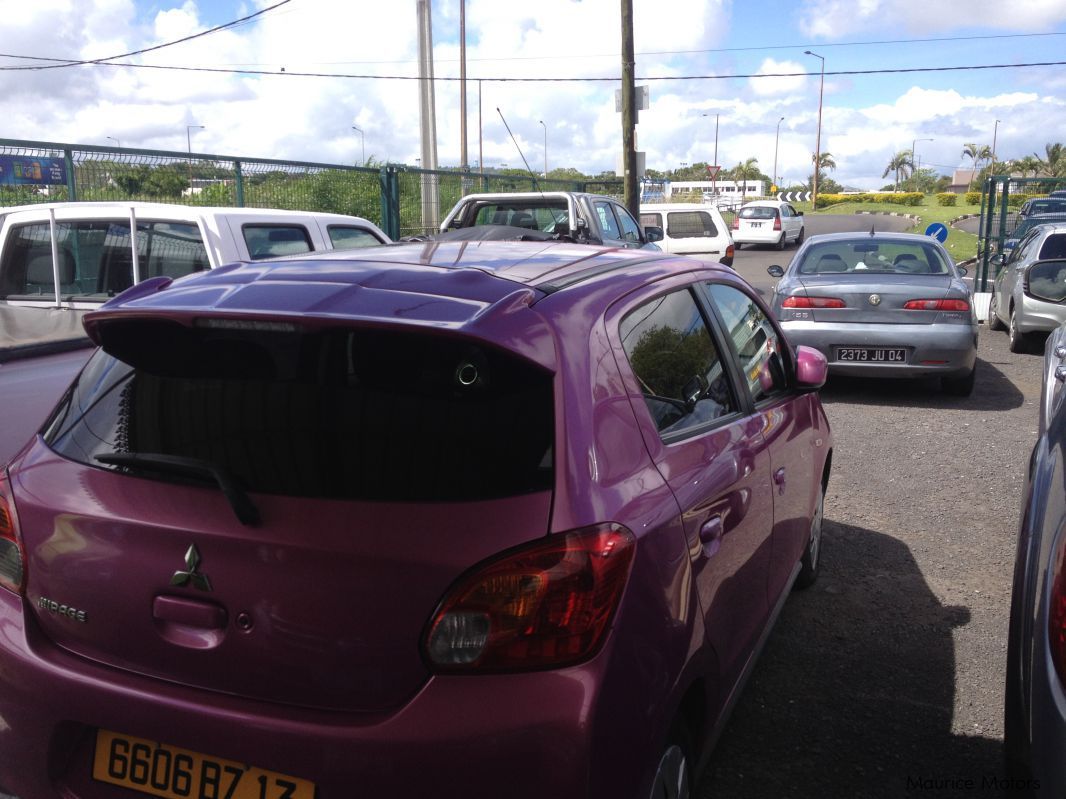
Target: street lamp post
x=714, y=180
x=545, y=147
x=777, y=139
x=116, y=141
x=188, y=146
x=914, y=167
x=362, y=142
x=818, y=137
x=995, y=132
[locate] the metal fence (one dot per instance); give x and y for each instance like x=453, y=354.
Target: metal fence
x=1001, y=204
x=402, y=200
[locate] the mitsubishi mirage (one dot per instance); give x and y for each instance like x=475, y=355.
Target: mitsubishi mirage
x=443, y=519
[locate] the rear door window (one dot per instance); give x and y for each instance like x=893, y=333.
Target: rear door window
x=690, y=225
x=95, y=259
x=757, y=346
x=608, y=223
x=344, y=237
x=269, y=241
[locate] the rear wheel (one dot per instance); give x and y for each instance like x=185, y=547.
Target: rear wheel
x=673, y=779
x=799, y=238
x=1019, y=341
x=781, y=241
x=959, y=386
x=812, y=555
x=994, y=322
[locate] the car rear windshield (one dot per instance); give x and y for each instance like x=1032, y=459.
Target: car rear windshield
x=757, y=212
x=339, y=413
x=866, y=255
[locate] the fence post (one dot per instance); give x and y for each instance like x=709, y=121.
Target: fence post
x=390, y=202
x=72, y=184
x=240, y=183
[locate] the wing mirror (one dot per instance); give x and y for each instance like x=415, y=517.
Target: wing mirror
x=775, y=271
x=963, y=271
x=653, y=233
x=811, y=368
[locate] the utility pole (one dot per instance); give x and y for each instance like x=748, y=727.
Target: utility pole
x=427, y=115
x=462, y=90
x=629, y=150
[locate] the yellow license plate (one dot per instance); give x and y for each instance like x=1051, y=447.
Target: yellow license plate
x=161, y=770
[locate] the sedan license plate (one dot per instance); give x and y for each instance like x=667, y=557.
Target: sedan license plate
x=872, y=354
x=157, y=769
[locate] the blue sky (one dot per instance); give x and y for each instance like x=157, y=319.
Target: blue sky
x=866, y=118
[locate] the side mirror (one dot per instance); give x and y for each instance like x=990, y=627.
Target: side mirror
x=582, y=223
x=811, y=368
x=1000, y=260
x=653, y=233
x=775, y=271
x=963, y=271
x=799, y=213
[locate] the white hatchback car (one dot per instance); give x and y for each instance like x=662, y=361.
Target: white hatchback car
x=690, y=229
x=768, y=222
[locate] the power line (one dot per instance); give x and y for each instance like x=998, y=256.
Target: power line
x=284, y=73
x=105, y=61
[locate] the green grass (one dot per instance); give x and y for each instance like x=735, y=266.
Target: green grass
x=960, y=244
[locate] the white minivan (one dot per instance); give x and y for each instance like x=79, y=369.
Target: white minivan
x=690, y=229
x=79, y=254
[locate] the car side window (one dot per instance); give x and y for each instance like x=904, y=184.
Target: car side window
x=690, y=225
x=608, y=224
x=1054, y=246
x=676, y=362
x=1024, y=246
x=351, y=238
x=759, y=349
x=267, y=241
x=630, y=228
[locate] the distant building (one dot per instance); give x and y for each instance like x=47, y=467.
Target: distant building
x=961, y=180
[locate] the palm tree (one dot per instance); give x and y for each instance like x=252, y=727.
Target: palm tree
x=1055, y=164
x=1031, y=163
x=901, y=163
x=825, y=161
x=749, y=170
x=976, y=153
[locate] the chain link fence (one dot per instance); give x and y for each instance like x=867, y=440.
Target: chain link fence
x=1006, y=203
x=401, y=200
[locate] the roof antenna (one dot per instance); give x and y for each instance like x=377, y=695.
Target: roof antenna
x=532, y=174
x=872, y=226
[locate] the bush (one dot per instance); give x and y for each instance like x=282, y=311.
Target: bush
x=946, y=198
x=973, y=198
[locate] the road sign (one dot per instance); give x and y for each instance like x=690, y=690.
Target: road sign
x=713, y=170
x=643, y=99
x=937, y=231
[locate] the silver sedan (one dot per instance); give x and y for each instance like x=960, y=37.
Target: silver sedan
x=881, y=305
x=1029, y=293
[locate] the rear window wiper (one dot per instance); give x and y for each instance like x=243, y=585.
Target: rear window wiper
x=246, y=511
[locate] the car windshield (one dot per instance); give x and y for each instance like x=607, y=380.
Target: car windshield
x=866, y=256
x=757, y=212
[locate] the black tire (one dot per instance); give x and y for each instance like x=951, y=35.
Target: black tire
x=1019, y=341
x=673, y=776
x=959, y=386
x=994, y=322
x=781, y=241
x=799, y=238
x=738, y=246
x=811, y=559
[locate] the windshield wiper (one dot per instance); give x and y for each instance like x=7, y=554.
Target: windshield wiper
x=247, y=513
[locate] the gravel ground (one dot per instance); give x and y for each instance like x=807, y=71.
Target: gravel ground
x=885, y=679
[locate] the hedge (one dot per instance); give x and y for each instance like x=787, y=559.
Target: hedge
x=973, y=198
x=947, y=198
x=888, y=198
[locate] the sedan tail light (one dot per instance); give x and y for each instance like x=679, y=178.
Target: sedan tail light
x=813, y=302
x=936, y=305
x=541, y=606
x=11, y=557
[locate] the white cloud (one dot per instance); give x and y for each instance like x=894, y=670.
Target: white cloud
x=767, y=87
x=838, y=19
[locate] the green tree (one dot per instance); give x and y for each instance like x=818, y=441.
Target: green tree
x=743, y=172
x=826, y=162
x=901, y=163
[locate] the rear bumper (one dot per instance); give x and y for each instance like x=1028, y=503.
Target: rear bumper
x=1039, y=317
x=526, y=735
x=937, y=349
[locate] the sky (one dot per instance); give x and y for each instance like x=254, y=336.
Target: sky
x=701, y=61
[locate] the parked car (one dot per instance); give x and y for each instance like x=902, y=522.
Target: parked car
x=575, y=216
x=1041, y=205
x=96, y=251
x=1028, y=224
x=1035, y=698
x=768, y=222
x=881, y=305
x=690, y=228
x=500, y=519
x=1029, y=291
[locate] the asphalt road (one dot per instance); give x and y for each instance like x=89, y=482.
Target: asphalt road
x=885, y=679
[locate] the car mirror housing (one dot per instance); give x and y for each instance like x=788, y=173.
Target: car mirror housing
x=775, y=270
x=1046, y=280
x=653, y=233
x=963, y=271
x=811, y=368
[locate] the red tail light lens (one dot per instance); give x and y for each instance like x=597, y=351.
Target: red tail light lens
x=936, y=305
x=11, y=560
x=541, y=606
x=736, y=223
x=1056, y=617
x=813, y=302
x=777, y=223
x=730, y=251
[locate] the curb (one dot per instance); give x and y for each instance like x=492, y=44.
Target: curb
x=912, y=217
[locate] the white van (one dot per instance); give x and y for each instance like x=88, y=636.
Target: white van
x=690, y=229
x=78, y=254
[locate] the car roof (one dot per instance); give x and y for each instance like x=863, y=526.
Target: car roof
x=441, y=284
x=652, y=207
x=771, y=203
x=96, y=208
x=877, y=235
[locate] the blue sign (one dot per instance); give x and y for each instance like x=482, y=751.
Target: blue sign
x=938, y=231
x=24, y=170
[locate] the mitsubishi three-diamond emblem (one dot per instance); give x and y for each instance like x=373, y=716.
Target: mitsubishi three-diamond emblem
x=191, y=575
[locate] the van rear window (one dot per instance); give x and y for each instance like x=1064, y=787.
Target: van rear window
x=96, y=258
x=340, y=413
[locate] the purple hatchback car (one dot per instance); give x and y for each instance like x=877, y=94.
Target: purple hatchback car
x=477, y=520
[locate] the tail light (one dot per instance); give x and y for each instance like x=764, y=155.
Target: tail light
x=735, y=225
x=1056, y=617
x=11, y=559
x=730, y=251
x=777, y=222
x=813, y=302
x=936, y=305
x=541, y=606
